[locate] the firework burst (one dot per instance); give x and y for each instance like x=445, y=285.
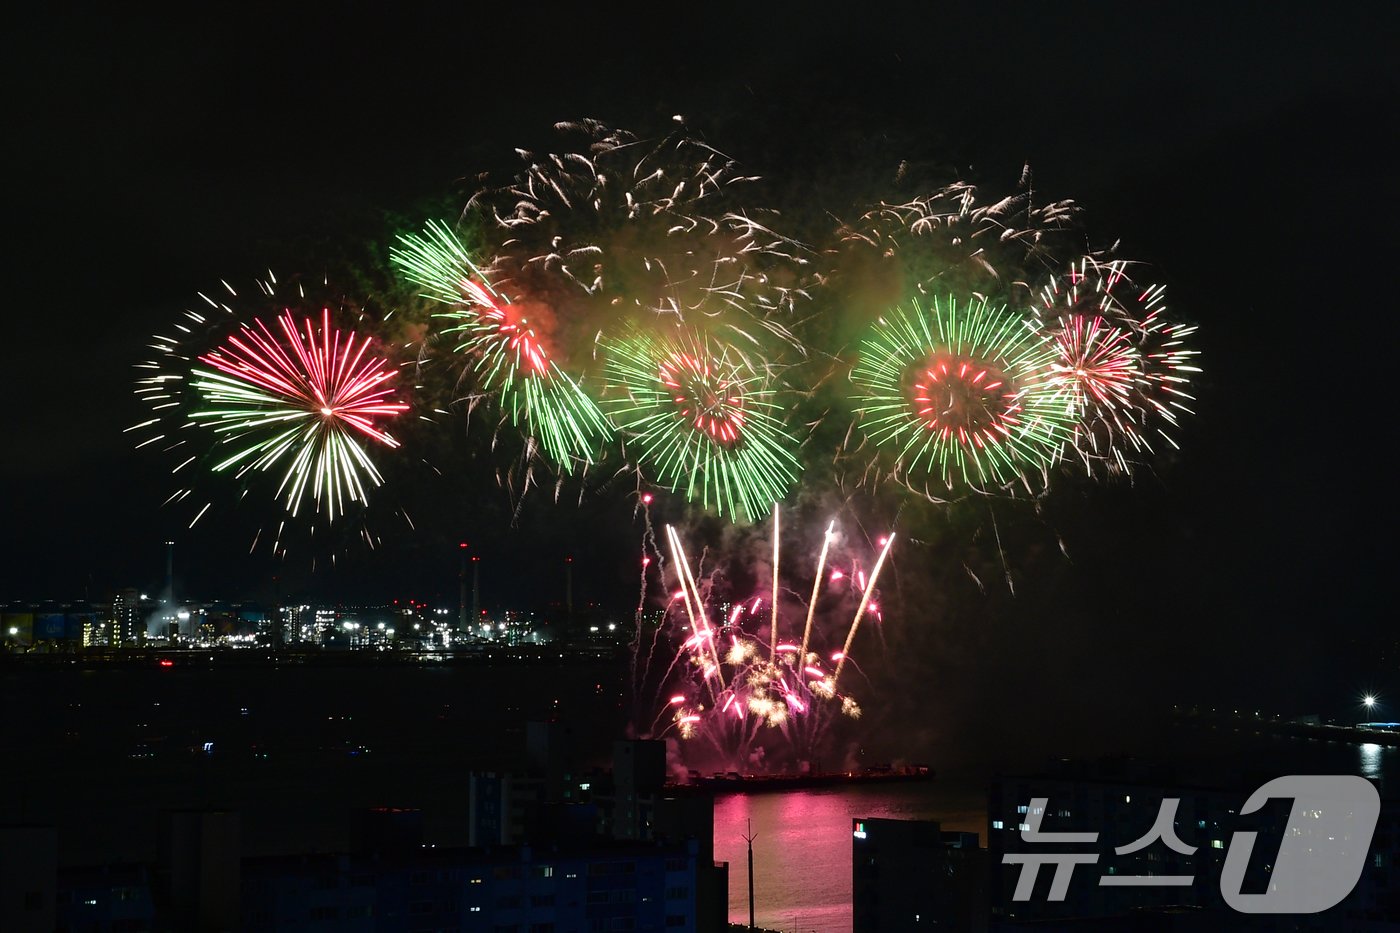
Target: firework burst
x=286, y=394
x=618, y=227
x=737, y=687
x=304, y=397
x=952, y=241
x=707, y=422
x=1125, y=366
x=961, y=393
x=508, y=352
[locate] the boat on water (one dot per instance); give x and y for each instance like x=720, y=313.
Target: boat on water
x=732, y=782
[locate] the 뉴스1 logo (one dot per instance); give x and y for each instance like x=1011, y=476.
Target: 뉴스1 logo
x=1319, y=861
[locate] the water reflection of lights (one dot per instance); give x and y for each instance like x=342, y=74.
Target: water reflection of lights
x=1370, y=754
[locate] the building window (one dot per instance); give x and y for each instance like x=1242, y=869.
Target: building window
x=998, y=824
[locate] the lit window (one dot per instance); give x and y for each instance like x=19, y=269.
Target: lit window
x=998, y=824
x=1217, y=844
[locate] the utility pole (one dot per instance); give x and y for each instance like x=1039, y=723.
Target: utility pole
x=749, y=839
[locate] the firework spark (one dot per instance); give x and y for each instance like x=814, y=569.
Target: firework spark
x=618, y=227
x=303, y=395
x=961, y=392
x=1125, y=366
x=283, y=392
x=952, y=241
x=759, y=689
x=705, y=421
x=507, y=351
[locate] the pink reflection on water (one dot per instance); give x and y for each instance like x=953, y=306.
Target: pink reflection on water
x=802, y=845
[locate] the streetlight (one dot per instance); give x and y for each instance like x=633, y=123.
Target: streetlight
x=1369, y=701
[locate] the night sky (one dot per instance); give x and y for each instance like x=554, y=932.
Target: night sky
x=1245, y=153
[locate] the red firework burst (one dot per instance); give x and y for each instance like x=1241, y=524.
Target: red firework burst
x=957, y=395
x=714, y=404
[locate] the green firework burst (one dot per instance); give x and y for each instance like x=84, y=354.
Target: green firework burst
x=707, y=422
x=508, y=354
x=962, y=392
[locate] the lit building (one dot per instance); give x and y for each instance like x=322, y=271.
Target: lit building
x=128, y=621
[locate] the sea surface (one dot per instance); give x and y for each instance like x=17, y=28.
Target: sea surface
x=802, y=839
x=102, y=752
x=802, y=844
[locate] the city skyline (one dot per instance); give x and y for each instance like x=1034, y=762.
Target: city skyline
x=1205, y=172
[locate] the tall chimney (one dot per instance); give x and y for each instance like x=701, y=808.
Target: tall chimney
x=168, y=595
x=476, y=590
x=462, y=587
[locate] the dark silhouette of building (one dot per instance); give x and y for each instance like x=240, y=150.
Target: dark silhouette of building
x=1121, y=801
x=910, y=875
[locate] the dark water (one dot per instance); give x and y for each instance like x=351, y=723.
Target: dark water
x=102, y=752
x=802, y=845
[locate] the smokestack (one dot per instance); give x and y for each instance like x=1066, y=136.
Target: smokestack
x=169, y=593
x=462, y=586
x=476, y=590
x=569, y=586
